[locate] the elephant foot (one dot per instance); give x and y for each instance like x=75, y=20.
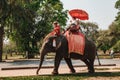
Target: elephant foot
x=73, y=71
x=55, y=73
x=37, y=73
x=91, y=71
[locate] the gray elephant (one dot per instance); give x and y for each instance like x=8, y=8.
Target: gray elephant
x=61, y=51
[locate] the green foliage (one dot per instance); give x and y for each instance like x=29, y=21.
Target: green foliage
x=3, y=15
x=116, y=47
x=110, y=38
x=28, y=21
x=117, y=5
x=48, y=12
x=77, y=76
x=3, y=9
x=114, y=29
x=89, y=29
x=104, y=40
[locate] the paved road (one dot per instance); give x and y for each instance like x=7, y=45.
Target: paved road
x=62, y=70
x=50, y=62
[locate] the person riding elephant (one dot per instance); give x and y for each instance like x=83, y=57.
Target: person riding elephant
x=75, y=25
x=56, y=29
x=55, y=32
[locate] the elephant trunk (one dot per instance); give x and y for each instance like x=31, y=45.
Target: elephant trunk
x=43, y=53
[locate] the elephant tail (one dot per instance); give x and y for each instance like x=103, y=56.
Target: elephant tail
x=97, y=53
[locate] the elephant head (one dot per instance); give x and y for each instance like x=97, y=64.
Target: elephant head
x=47, y=45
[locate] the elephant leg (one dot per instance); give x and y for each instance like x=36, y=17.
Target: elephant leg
x=86, y=61
x=90, y=65
x=91, y=70
x=58, y=58
x=69, y=63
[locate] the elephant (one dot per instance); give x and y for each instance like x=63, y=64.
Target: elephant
x=61, y=51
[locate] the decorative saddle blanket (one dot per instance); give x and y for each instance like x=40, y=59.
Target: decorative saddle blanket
x=76, y=42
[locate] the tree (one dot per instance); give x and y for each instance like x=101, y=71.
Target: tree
x=115, y=28
x=116, y=47
x=117, y=4
x=117, y=21
x=4, y=12
x=90, y=29
x=48, y=12
x=1, y=41
x=109, y=38
x=24, y=20
x=23, y=26
x=12, y=20
x=114, y=31
x=103, y=40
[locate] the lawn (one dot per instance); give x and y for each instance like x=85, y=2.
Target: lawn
x=78, y=76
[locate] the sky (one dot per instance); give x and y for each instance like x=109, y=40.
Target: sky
x=101, y=12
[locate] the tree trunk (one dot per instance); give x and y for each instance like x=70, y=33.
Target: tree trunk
x=1, y=42
x=104, y=51
x=30, y=55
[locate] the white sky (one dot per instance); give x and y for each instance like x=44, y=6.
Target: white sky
x=101, y=12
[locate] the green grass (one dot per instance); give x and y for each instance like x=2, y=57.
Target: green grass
x=78, y=76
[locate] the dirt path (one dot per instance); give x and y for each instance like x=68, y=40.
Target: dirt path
x=62, y=70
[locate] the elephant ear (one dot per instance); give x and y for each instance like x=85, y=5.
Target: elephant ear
x=51, y=38
x=48, y=39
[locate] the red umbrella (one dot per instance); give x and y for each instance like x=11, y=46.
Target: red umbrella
x=78, y=13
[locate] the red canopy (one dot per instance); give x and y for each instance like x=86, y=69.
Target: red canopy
x=78, y=13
